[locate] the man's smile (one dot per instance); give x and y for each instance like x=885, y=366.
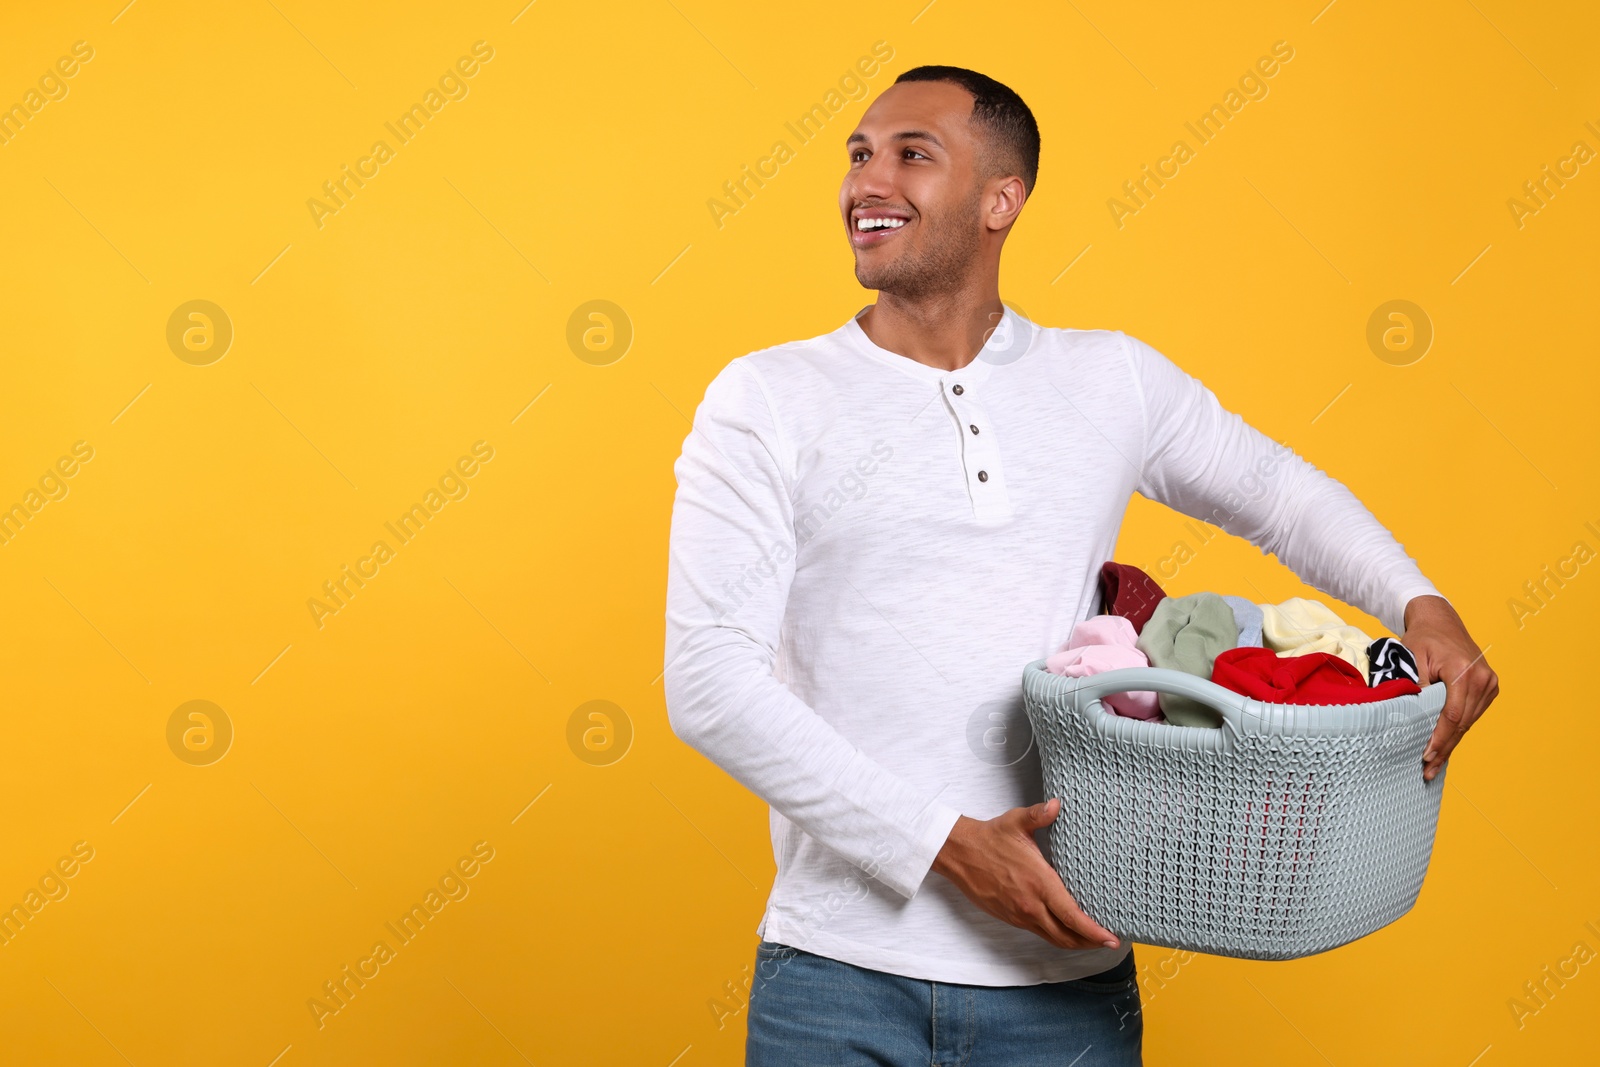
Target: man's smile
x=870, y=227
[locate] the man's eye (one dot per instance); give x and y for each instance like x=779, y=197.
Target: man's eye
x=858, y=156
x=914, y=152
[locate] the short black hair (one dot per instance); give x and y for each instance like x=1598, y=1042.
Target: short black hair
x=999, y=110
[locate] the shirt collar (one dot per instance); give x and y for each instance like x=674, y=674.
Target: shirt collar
x=1009, y=342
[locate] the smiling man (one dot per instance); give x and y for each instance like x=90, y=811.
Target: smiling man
x=971, y=471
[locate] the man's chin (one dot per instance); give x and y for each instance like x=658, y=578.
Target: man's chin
x=892, y=285
x=874, y=277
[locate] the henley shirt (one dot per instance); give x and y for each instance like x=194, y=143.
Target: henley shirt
x=866, y=551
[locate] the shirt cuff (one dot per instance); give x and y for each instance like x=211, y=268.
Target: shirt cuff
x=905, y=874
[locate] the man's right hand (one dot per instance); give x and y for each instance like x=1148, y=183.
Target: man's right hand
x=997, y=864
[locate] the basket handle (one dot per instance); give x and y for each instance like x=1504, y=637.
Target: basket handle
x=1161, y=680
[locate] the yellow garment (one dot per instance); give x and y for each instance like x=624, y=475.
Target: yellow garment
x=1300, y=626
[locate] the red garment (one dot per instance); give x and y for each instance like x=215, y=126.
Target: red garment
x=1313, y=678
x=1129, y=592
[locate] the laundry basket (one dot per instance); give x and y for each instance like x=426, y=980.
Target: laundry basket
x=1291, y=830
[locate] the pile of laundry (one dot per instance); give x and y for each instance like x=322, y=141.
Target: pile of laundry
x=1297, y=652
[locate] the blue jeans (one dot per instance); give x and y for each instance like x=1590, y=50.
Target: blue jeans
x=810, y=1011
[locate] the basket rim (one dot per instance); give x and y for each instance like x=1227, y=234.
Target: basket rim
x=1242, y=715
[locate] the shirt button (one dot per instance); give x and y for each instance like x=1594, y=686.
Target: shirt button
x=983, y=476
x=973, y=428
x=956, y=389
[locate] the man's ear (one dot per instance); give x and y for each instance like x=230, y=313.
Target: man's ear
x=1005, y=200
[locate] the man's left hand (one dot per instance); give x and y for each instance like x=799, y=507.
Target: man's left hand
x=1439, y=641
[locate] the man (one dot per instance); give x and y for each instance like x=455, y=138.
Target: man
x=876, y=529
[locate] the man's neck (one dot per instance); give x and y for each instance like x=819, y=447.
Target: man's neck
x=946, y=331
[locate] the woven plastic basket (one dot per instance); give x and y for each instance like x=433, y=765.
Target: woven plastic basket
x=1291, y=830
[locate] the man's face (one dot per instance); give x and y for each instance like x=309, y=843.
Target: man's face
x=914, y=162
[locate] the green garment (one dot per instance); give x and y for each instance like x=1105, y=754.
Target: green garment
x=1185, y=634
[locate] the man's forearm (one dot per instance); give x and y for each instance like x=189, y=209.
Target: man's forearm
x=725, y=703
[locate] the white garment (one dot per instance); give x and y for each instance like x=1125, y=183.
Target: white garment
x=1299, y=627
x=865, y=553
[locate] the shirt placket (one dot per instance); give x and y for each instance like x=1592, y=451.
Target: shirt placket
x=980, y=449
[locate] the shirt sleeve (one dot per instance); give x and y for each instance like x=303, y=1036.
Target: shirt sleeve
x=731, y=561
x=1206, y=461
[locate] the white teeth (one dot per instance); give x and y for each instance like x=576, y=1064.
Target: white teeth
x=879, y=224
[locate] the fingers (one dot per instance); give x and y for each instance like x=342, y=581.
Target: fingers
x=1048, y=908
x=1058, y=933
x=1039, y=816
x=1441, y=754
x=1446, y=733
x=1083, y=931
x=1064, y=911
x=1469, y=689
x=1072, y=930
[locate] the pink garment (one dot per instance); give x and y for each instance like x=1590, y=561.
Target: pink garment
x=1106, y=643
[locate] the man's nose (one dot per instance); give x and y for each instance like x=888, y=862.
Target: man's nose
x=872, y=180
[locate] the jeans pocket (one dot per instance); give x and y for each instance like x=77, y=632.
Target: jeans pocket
x=771, y=950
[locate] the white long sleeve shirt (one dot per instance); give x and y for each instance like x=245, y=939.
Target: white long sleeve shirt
x=865, y=553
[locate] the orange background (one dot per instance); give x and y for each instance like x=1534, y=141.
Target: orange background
x=434, y=710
